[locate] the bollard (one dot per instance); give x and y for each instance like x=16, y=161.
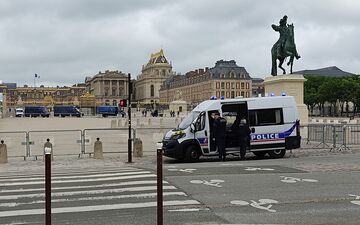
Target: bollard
x=138, y=122
x=98, y=151
x=48, y=154
x=3, y=152
x=161, y=122
x=138, y=147
x=149, y=122
x=113, y=123
x=48, y=145
x=120, y=123
x=159, y=187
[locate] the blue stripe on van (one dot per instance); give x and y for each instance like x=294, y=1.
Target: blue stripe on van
x=203, y=141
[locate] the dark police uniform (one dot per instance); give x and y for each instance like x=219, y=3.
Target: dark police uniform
x=244, y=135
x=219, y=135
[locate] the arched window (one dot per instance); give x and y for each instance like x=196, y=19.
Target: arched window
x=152, y=90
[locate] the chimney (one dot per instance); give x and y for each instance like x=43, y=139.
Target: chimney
x=201, y=71
x=206, y=69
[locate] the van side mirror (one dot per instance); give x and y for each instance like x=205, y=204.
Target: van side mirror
x=192, y=128
x=252, y=130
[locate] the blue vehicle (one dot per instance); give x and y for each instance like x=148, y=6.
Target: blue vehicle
x=66, y=110
x=35, y=111
x=107, y=110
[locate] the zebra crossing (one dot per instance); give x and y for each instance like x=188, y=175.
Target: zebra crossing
x=86, y=191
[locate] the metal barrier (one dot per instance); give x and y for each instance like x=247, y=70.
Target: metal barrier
x=151, y=136
x=114, y=140
x=15, y=142
x=334, y=137
x=65, y=142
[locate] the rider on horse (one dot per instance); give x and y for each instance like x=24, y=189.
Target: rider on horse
x=280, y=44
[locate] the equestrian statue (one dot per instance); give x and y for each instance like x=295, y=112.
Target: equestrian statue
x=284, y=47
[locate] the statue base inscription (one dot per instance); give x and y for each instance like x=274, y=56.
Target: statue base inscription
x=291, y=85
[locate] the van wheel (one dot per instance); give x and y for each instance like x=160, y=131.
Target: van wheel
x=192, y=154
x=259, y=154
x=276, y=154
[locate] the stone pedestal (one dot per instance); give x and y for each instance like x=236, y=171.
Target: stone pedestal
x=3, y=153
x=98, y=151
x=291, y=85
x=138, y=148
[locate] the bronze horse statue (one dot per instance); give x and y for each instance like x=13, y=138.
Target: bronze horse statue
x=286, y=50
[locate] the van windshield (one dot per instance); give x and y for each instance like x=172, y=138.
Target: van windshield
x=189, y=119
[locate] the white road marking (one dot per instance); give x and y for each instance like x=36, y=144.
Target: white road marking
x=91, y=208
x=87, y=192
x=356, y=201
x=231, y=164
x=86, y=186
x=189, y=210
x=214, y=183
x=183, y=170
x=144, y=195
x=258, y=169
x=261, y=204
x=145, y=174
x=72, y=176
x=292, y=180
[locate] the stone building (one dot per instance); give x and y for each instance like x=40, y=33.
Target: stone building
x=46, y=96
x=258, y=87
x=224, y=79
x=108, y=87
x=153, y=74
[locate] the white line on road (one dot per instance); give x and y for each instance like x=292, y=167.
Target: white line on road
x=145, y=174
x=95, y=208
x=87, y=192
x=85, y=186
x=71, y=176
x=145, y=195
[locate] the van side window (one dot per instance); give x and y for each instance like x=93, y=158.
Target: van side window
x=200, y=122
x=263, y=117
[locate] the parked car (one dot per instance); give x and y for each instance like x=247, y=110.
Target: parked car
x=66, y=110
x=19, y=112
x=35, y=111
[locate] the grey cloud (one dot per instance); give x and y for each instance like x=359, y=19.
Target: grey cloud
x=68, y=40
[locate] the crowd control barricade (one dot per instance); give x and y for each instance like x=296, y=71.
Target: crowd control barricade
x=149, y=138
x=334, y=136
x=114, y=140
x=64, y=142
x=321, y=135
x=15, y=142
x=352, y=136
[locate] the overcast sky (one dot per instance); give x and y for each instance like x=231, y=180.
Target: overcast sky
x=63, y=41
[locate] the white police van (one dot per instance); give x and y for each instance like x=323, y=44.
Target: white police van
x=274, y=123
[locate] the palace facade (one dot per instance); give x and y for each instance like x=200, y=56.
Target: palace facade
x=225, y=79
x=108, y=87
x=153, y=74
x=14, y=97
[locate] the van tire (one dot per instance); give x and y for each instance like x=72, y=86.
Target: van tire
x=260, y=154
x=277, y=154
x=192, y=154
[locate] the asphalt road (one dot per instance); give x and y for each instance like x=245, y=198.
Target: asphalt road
x=312, y=189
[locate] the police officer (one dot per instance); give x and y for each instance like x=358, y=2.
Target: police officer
x=244, y=135
x=219, y=134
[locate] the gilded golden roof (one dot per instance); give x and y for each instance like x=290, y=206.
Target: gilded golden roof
x=158, y=57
